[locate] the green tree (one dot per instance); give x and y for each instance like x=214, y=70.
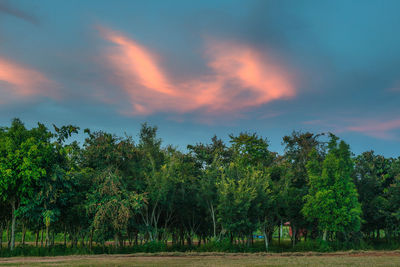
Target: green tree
x=372, y=178
x=332, y=199
x=297, y=153
x=236, y=195
x=160, y=191
x=211, y=158
x=112, y=205
x=243, y=190
x=24, y=159
x=392, y=195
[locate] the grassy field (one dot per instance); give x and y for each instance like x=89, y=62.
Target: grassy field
x=370, y=258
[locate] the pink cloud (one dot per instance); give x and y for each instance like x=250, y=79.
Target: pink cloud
x=377, y=129
x=18, y=81
x=241, y=78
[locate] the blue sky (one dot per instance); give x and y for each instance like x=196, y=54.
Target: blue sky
x=199, y=68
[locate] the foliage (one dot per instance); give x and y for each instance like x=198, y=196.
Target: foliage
x=332, y=198
x=115, y=194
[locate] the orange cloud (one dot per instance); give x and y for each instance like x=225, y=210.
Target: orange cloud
x=19, y=81
x=241, y=77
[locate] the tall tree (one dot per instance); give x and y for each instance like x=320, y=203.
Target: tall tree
x=25, y=157
x=211, y=158
x=372, y=177
x=392, y=195
x=332, y=199
x=112, y=205
x=297, y=153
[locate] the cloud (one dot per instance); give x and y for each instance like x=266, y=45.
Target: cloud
x=377, y=128
x=7, y=8
x=240, y=77
x=395, y=87
x=18, y=81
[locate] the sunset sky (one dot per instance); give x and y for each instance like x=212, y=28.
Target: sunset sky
x=199, y=68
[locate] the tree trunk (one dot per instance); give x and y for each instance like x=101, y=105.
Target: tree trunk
x=65, y=237
x=174, y=238
x=121, y=241
x=293, y=236
x=13, y=225
x=83, y=241
x=266, y=240
x=116, y=240
x=270, y=234
x=37, y=238
x=130, y=238
x=279, y=235
x=324, y=235
x=41, y=238
x=182, y=238
x=91, y=239
x=213, y=219
x=23, y=235
x=8, y=234
x=47, y=235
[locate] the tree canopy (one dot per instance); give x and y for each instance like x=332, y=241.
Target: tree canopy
x=137, y=189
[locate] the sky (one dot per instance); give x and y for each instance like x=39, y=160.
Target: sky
x=199, y=68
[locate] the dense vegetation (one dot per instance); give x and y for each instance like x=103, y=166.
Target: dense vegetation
x=143, y=194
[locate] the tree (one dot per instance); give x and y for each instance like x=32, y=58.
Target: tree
x=392, y=195
x=271, y=190
x=332, y=199
x=372, y=178
x=112, y=205
x=236, y=195
x=243, y=190
x=211, y=159
x=24, y=159
x=160, y=190
x=188, y=211
x=297, y=153
x=251, y=149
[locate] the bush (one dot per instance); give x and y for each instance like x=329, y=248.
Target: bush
x=223, y=245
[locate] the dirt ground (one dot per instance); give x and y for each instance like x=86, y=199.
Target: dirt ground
x=369, y=258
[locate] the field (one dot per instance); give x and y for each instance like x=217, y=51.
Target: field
x=369, y=258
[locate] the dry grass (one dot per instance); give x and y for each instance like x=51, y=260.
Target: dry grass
x=371, y=258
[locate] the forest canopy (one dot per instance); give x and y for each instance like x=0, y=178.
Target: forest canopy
x=137, y=189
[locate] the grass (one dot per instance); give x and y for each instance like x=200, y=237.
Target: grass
x=223, y=246
x=370, y=258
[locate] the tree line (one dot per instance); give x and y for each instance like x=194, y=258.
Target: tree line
x=136, y=191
